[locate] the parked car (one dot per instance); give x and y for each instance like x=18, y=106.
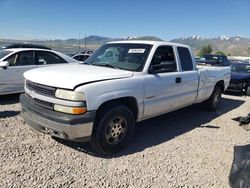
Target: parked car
x=100, y=101
x=15, y=61
x=240, y=78
x=26, y=46
x=213, y=60
x=81, y=57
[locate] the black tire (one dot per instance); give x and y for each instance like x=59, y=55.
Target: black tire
x=113, y=129
x=248, y=91
x=214, y=99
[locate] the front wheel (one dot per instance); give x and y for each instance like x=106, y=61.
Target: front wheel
x=214, y=99
x=114, y=129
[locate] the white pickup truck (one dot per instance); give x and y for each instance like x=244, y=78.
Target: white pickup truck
x=100, y=101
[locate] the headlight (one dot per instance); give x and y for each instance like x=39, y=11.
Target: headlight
x=69, y=95
x=70, y=110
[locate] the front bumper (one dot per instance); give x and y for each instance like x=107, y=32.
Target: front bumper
x=65, y=126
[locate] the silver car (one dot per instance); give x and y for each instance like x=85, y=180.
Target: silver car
x=15, y=61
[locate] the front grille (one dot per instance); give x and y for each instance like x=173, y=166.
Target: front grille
x=41, y=89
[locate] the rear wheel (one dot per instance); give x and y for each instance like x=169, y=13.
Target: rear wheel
x=114, y=129
x=214, y=99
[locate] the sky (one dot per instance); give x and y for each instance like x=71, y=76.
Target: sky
x=166, y=19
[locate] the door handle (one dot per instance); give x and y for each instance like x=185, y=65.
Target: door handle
x=178, y=80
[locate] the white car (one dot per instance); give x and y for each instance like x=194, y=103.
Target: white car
x=81, y=57
x=15, y=61
x=100, y=100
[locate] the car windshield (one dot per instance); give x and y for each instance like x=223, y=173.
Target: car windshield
x=3, y=53
x=240, y=68
x=121, y=56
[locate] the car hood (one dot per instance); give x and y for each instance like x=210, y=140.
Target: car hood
x=69, y=76
x=239, y=76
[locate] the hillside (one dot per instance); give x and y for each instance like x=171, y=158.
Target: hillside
x=235, y=46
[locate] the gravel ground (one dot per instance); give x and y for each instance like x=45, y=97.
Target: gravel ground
x=187, y=148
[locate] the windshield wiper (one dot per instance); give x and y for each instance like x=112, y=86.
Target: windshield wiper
x=106, y=65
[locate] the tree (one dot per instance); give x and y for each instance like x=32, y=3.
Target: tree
x=206, y=50
x=220, y=53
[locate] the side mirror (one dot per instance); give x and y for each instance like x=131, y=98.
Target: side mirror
x=164, y=66
x=4, y=64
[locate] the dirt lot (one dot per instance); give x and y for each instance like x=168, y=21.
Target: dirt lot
x=187, y=148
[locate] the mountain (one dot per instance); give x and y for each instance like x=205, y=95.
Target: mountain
x=235, y=45
x=148, y=38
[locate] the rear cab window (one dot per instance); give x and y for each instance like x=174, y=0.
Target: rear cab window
x=185, y=59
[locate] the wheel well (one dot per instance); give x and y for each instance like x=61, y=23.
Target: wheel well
x=221, y=85
x=129, y=102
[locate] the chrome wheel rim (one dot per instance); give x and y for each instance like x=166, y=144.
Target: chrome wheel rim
x=116, y=130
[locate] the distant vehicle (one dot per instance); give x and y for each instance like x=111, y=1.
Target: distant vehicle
x=87, y=52
x=26, y=46
x=90, y=52
x=81, y=57
x=240, y=78
x=214, y=60
x=238, y=61
x=15, y=61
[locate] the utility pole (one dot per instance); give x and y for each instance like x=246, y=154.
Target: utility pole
x=79, y=43
x=85, y=44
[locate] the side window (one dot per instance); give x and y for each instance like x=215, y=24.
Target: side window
x=12, y=59
x=81, y=58
x=84, y=57
x=164, y=60
x=46, y=58
x=185, y=58
x=21, y=59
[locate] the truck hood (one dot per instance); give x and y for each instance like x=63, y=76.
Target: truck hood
x=69, y=76
x=239, y=76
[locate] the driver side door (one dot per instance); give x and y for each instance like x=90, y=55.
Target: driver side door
x=162, y=88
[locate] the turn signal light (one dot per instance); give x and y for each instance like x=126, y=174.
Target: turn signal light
x=70, y=110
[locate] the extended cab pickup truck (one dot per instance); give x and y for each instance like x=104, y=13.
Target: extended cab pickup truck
x=100, y=101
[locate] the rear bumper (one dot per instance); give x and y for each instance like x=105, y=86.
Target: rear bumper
x=65, y=126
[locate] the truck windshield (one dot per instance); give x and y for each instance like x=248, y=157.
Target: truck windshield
x=240, y=68
x=121, y=56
